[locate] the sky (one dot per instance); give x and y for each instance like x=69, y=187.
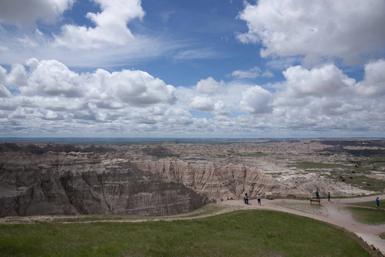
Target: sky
x=202, y=68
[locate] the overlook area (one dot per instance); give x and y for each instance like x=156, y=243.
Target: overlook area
x=156, y=193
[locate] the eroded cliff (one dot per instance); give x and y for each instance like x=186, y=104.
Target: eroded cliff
x=83, y=183
x=216, y=180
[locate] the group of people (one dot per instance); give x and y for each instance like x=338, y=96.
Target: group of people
x=246, y=199
x=377, y=201
x=317, y=195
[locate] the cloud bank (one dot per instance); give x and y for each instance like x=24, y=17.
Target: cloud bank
x=312, y=47
x=45, y=96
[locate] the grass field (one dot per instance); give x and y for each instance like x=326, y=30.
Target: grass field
x=368, y=215
x=242, y=233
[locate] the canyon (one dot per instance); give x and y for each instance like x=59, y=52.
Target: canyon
x=166, y=178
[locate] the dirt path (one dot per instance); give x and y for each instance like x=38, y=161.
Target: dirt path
x=333, y=212
x=86, y=219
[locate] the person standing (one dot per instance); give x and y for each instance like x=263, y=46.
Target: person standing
x=259, y=200
x=378, y=202
x=317, y=194
x=246, y=199
x=328, y=196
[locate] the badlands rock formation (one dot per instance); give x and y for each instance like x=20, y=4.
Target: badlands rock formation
x=170, y=178
x=83, y=183
x=215, y=180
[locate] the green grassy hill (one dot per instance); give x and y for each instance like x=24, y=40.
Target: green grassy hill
x=242, y=233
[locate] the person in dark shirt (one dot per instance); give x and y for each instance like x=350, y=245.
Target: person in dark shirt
x=246, y=199
x=317, y=194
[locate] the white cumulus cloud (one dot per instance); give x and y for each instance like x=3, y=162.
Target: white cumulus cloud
x=257, y=100
x=208, y=86
x=110, y=26
x=327, y=80
x=202, y=103
x=347, y=29
x=374, y=81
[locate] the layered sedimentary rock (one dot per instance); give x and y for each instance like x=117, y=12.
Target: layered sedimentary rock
x=167, y=178
x=57, y=183
x=218, y=181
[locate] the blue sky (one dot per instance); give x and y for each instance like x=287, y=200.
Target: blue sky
x=206, y=31
x=192, y=68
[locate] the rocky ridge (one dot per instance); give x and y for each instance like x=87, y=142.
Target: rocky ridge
x=86, y=184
